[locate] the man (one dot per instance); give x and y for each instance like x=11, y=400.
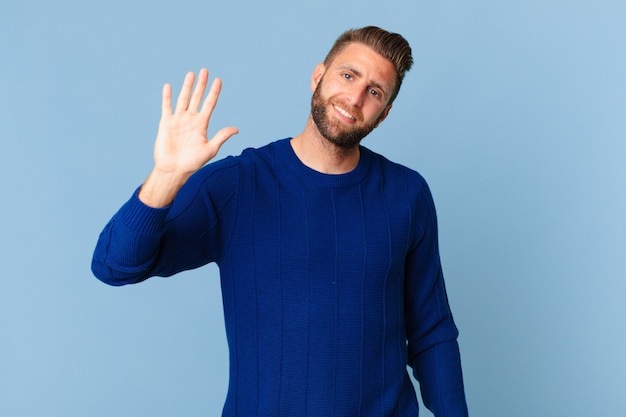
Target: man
x=328, y=252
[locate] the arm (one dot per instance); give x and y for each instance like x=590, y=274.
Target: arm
x=152, y=230
x=431, y=331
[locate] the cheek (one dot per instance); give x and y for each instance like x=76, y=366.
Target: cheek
x=375, y=114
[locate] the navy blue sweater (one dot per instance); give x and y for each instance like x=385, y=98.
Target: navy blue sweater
x=331, y=284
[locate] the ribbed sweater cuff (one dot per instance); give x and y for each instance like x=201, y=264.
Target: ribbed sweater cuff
x=143, y=219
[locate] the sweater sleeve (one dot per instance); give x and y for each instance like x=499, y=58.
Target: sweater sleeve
x=140, y=242
x=431, y=331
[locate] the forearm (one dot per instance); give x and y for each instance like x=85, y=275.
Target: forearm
x=438, y=370
x=141, y=241
x=129, y=244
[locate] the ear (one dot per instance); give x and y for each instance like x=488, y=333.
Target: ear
x=383, y=115
x=318, y=72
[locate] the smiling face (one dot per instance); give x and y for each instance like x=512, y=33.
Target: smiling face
x=351, y=94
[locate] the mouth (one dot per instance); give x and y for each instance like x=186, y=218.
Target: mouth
x=345, y=113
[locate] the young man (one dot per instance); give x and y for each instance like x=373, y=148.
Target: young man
x=328, y=252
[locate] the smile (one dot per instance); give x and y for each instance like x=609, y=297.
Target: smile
x=344, y=113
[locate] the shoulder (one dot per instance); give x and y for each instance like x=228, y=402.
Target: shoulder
x=224, y=176
x=266, y=153
x=406, y=187
x=231, y=166
x=398, y=174
x=224, y=171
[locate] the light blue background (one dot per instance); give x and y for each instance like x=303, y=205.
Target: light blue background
x=514, y=112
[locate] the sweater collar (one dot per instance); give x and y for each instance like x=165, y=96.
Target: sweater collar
x=303, y=173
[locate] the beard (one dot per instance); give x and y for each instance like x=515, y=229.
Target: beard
x=341, y=135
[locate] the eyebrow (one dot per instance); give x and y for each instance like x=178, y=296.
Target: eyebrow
x=360, y=74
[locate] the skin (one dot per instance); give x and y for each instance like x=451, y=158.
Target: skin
x=358, y=81
x=353, y=93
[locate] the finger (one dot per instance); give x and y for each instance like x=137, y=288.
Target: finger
x=166, y=101
x=222, y=136
x=183, y=98
x=198, y=92
x=211, y=100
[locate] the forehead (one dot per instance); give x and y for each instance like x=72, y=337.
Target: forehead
x=366, y=61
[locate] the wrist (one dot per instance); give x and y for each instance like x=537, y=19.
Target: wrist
x=160, y=188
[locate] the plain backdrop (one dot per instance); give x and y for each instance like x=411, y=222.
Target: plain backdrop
x=514, y=112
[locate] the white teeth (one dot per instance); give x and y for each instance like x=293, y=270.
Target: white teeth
x=345, y=113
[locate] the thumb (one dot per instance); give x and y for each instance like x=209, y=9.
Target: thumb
x=220, y=137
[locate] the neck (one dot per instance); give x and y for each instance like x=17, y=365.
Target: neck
x=316, y=152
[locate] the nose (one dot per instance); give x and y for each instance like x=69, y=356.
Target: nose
x=356, y=95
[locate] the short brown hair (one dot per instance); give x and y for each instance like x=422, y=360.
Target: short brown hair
x=390, y=45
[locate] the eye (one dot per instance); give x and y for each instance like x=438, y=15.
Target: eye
x=347, y=76
x=375, y=93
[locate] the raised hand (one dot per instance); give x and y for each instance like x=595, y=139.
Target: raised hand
x=182, y=146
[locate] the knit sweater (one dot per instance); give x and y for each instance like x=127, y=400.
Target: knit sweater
x=331, y=284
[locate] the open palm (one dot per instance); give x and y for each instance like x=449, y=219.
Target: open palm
x=182, y=146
